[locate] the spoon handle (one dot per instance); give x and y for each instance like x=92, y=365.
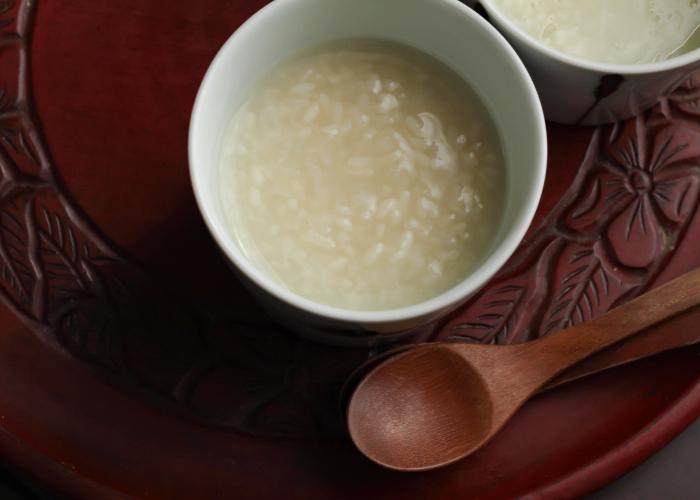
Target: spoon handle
x=682, y=330
x=564, y=349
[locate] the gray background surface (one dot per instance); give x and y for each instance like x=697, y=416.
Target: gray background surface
x=671, y=474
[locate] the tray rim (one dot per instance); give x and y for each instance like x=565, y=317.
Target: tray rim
x=657, y=434
x=603, y=470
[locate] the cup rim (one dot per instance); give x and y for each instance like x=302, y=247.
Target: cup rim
x=601, y=67
x=469, y=285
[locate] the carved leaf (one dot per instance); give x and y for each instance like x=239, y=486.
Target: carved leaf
x=59, y=250
x=497, y=316
x=17, y=276
x=584, y=292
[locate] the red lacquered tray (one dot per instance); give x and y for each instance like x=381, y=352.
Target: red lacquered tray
x=133, y=364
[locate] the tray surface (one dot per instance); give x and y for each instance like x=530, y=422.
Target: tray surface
x=133, y=363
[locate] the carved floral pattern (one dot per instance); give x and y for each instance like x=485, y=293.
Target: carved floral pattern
x=610, y=236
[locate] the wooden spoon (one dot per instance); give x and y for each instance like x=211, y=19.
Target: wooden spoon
x=674, y=333
x=437, y=403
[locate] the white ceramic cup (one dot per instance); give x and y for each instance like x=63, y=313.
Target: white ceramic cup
x=582, y=92
x=445, y=29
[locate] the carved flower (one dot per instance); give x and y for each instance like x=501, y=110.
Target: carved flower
x=646, y=187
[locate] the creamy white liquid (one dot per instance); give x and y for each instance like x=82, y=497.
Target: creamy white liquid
x=363, y=175
x=612, y=31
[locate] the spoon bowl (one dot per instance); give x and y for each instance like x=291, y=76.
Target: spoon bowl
x=440, y=391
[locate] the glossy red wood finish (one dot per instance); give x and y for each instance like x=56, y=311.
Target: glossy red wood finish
x=113, y=84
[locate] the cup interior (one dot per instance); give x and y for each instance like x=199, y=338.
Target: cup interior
x=444, y=29
x=511, y=29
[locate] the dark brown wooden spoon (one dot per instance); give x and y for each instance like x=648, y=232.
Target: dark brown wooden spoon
x=434, y=404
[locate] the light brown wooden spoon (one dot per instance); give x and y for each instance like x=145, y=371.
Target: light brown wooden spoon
x=432, y=405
